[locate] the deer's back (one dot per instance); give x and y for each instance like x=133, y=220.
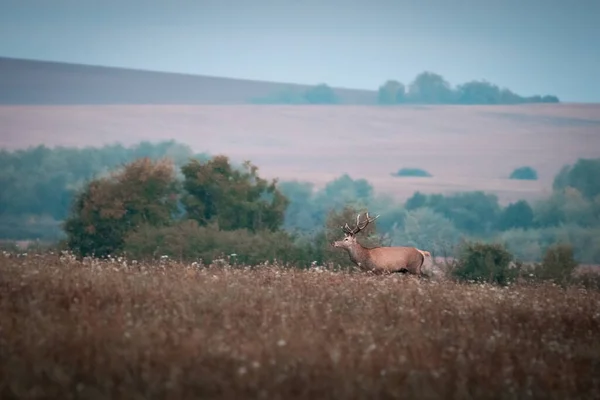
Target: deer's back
x=394, y=259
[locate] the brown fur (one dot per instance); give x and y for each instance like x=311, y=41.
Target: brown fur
x=383, y=260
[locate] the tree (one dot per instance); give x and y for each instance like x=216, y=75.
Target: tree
x=583, y=176
x=321, y=94
x=427, y=230
x=143, y=192
x=430, y=88
x=473, y=212
x=524, y=173
x=516, y=215
x=417, y=200
x=391, y=92
x=478, y=92
x=233, y=198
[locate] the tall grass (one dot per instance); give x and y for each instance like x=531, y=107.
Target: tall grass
x=120, y=330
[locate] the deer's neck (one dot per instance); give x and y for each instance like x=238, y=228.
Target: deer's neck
x=359, y=255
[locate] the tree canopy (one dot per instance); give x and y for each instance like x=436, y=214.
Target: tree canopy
x=233, y=198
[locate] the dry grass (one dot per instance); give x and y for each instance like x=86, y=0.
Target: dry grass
x=98, y=330
x=463, y=147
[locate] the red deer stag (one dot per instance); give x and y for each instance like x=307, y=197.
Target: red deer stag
x=379, y=260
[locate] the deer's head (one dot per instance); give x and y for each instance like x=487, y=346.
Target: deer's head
x=349, y=239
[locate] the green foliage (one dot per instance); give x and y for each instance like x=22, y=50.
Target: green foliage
x=567, y=206
x=471, y=212
x=524, y=173
x=189, y=241
x=30, y=227
x=39, y=183
x=418, y=172
x=391, y=92
x=484, y=262
x=526, y=245
x=321, y=94
x=233, y=198
x=417, y=200
x=430, y=88
x=558, y=264
x=516, y=215
x=478, y=92
x=426, y=229
x=583, y=176
x=143, y=192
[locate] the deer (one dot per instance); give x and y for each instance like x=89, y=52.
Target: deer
x=379, y=260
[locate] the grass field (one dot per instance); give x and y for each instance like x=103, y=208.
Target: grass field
x=463, y=147
x=98, y=330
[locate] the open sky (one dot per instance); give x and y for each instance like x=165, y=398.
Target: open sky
x=529, y=46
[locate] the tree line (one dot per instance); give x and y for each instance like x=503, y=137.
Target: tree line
x=426, y=88
x=165, y=200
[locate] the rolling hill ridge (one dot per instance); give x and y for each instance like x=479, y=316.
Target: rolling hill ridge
x=32, y=82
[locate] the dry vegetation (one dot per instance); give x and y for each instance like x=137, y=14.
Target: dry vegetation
x=92, y=329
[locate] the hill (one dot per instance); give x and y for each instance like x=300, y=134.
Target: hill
x=463, y=147
x=54, y=83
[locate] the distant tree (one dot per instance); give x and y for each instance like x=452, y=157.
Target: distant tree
x=550, y=99
x=524, y=173
x=391, y=92
x=427, y=230
x=143, y=192
x=516, y=215
x=478, y=92
x=508, y=97
x=430, y=88
x=417, y=172
x=41, y=181
x=301, y=213
x=583, y=176
x=473, y=212
x=321, y=94
x=233, y=198
x=417, y=200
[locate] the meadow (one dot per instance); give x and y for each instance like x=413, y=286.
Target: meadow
x=463, y=147
x=130, y=330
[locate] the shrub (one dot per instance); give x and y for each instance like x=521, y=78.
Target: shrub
x=524, y=173
x=189, y=241
x=484, y=262
x=418, y=172
x=143, y=192
x=557, y=265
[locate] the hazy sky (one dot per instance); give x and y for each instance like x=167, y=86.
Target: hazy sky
x=529, y=46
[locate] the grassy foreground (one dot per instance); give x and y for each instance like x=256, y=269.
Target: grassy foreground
x=100, y=330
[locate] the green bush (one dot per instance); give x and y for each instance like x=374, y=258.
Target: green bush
x=143, y=192
x=484, y=262
x=524, y=173
x=557, y=265
x=189, y=241
x=418, y=172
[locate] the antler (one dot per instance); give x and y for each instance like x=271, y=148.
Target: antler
x=359, y=227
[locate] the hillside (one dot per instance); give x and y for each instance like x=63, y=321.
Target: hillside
x=463, y=147
x=52, y=83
